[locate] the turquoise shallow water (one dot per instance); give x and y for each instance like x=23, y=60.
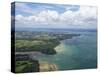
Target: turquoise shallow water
x=76, y=53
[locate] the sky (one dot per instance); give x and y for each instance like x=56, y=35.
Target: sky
x=40, y=15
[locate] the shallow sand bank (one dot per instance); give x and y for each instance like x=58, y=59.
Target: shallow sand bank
x=45, y=66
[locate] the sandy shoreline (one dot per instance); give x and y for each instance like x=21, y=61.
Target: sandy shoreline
x=59, y=48
x=45, y=66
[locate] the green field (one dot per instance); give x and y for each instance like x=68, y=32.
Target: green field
x=35, y=42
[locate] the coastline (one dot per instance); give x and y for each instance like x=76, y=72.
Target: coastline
x=46, y=66
x=27, y=49
x=59, y=48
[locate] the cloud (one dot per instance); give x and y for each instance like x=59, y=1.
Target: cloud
x=84, y=17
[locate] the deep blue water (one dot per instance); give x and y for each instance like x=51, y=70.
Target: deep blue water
x=54, y=30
